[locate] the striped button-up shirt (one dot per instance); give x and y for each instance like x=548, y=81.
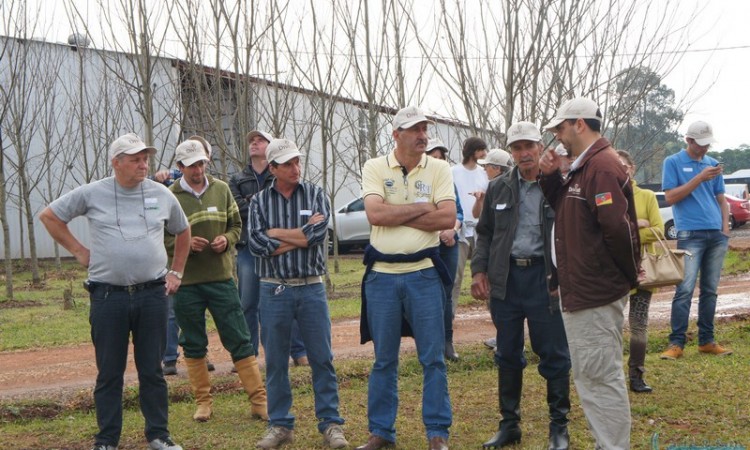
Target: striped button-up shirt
x=270, y=209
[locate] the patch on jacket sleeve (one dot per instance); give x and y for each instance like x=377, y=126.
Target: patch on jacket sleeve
x=605, y=198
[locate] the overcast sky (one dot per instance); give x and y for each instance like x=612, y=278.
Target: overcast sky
x=719, y=52
x=724, y=84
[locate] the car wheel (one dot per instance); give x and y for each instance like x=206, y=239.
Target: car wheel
x=670, y=230
x=732, y=222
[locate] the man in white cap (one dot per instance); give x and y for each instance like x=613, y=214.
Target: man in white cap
x=409, y=198
x=208, y=282
x=287, y=233
x=128, y=282
x=511, y=268
x=693, y=184
x=496, y=163
x=253, y=179
x=598, y=262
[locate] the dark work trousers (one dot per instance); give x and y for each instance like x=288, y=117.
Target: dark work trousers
x=114, y=316
x=526, y=298
x=449, y=255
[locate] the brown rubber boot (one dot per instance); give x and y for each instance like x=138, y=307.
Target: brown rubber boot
x=198, y=374
x=249, y=374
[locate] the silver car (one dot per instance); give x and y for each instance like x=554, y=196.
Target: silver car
x=352, y=227
x=670, y=231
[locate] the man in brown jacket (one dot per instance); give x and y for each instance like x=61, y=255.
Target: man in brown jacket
x=598, y=254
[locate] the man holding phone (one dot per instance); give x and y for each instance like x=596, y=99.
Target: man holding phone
x=693, y=184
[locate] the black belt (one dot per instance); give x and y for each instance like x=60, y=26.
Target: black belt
x=129, y=289
x=527, y=262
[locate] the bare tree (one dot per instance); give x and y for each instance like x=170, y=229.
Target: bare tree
x=137, y=30
x=509, y=60
x=23, y=102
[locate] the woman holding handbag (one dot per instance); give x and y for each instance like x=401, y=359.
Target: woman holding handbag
x=647, y=210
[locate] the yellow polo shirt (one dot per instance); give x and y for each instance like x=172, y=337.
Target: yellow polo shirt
x=431, y=181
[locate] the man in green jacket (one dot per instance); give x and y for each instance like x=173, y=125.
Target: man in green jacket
x=207, y=282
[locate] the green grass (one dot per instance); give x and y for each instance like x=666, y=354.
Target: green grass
x=36, y=317
x=697, y=400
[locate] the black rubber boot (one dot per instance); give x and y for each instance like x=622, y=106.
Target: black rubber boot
x=510, y=383
x=637, y=384
x=558, y=399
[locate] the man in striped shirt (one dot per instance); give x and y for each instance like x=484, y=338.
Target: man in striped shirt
x=287, y=228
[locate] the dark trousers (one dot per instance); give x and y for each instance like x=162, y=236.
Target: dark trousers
x=527, y=299
x=449, y=255
x=114, y=316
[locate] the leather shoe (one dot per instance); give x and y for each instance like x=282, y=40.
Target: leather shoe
x=438, y=443
x=375, y=442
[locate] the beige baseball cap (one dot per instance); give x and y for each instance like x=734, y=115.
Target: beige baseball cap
x=497, y=157
x=280, y=151
x=190, y=152
x=263, y=134
x=702, y=132
x=129, y=144
x=522, y=131
x=408, y=117
x=576, y=108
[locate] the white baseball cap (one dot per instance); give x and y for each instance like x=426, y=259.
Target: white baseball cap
x=129, y=144
x=263, y=134
x=522, y=131
x=702, y=132
x=281, y=151
x=576, y=108
x=408, y=117
x=190, y=152
x=497, y=157
x=434, y=144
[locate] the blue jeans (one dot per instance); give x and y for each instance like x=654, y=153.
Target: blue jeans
x=173, y=333
x=419, y=297
x=114, y=316
x=708, y=248
x=449, y=255
x=249, y=285
x=309, y=306
x=527, y=300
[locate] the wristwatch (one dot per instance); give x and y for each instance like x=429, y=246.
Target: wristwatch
x=175, y=273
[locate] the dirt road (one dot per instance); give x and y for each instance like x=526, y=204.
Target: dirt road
x=59, y=371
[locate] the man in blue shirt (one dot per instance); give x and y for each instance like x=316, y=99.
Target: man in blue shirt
x=693, y=184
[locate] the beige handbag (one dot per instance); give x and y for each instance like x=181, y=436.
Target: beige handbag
x=663, y=267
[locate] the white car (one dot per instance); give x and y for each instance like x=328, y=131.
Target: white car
x=670, y=231
x=352, y=227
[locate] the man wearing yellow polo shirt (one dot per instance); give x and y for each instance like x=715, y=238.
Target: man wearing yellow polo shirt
x=409, y=198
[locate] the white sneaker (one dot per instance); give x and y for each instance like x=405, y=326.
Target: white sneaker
x=276, y=437
x=333, y=436
x=163, y=444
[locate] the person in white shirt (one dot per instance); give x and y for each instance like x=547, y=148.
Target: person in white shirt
x=470, y=179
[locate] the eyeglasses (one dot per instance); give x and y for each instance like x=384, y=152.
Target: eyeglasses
x=128, y=237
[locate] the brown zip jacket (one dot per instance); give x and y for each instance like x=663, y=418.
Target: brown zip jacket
x=596, y=230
